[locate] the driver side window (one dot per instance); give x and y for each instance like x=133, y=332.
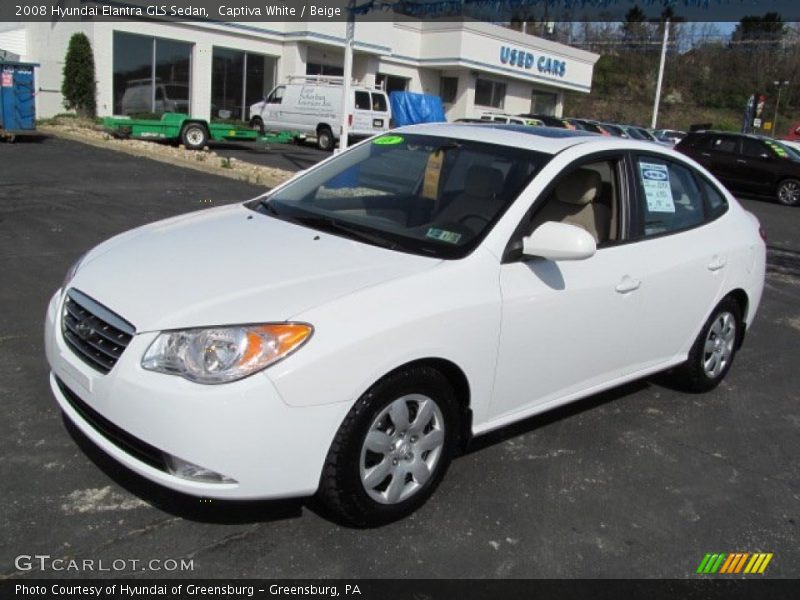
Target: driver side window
x=276, y=96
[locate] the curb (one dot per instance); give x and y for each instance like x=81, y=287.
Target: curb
x=268, y=181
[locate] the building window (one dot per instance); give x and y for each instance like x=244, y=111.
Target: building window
x=490, y=93
x=238, y=80
x=320, y=69
x=391, y=83
x=543, y=103
x=151, y=75
x=448, y=89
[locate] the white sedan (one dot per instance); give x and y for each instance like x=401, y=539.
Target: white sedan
x=346, y=334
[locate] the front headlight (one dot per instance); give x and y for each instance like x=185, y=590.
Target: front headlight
x=222, y=354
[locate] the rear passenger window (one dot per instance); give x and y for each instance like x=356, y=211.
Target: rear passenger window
x=670, y=199
x=724, y=144
x=716, y=202
x=362, y=101
x=379, y=102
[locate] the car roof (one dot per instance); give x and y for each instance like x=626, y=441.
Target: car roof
x=718, y=132
x=550, y=140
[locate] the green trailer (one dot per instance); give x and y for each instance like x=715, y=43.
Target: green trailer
x=191, y=132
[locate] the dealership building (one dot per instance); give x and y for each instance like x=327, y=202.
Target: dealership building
x=217, y=70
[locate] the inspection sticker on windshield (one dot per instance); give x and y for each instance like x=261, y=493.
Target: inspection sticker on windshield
x=388, y=140
x=443, y=236
x=657, y=189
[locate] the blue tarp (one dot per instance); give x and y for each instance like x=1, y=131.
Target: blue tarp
x=409, y=108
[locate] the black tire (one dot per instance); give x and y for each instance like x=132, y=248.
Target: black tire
x=325, y=139
x=693, y=375
x=342, y=496
x=257, y=124
x=788, y=192
x=194, y=136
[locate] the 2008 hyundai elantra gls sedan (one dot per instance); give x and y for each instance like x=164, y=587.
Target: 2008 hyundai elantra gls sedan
x=347, y=333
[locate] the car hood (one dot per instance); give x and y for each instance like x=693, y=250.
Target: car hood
x=230, y=265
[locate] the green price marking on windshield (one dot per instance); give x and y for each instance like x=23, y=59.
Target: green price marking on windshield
x=777, y=149
x=389, y=140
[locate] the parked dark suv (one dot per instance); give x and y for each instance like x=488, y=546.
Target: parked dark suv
x=747, y=164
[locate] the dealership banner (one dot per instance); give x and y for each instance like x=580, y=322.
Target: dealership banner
x=399, y=589
x=246, y=11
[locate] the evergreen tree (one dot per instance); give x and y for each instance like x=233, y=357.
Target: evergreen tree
x=79, y=86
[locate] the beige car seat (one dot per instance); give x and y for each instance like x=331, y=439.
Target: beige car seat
x=574, y=202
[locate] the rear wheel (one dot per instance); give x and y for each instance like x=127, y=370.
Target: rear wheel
x=789, y=192
x=714, y=349
x=194, y=136
x=392, y=449
x=325, y=140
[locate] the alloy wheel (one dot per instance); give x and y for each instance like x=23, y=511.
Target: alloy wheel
x=719, y=344
x=402, y=448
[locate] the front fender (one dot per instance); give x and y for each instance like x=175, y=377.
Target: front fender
x=451, y=312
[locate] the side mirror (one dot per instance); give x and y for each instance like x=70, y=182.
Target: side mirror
x=559, y=241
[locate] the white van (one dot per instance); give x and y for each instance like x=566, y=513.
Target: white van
x=312, y=105
x=169, y=97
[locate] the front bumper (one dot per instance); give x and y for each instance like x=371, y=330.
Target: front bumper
x=242, y=430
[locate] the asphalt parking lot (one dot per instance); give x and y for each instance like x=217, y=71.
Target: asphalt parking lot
x=640, y=481
x=291, y=157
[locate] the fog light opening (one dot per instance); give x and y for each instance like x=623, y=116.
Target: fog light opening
x=186, y=470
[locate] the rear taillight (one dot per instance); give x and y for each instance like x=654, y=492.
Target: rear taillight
x=763, y=234
x=391, y=123
x=350, y=120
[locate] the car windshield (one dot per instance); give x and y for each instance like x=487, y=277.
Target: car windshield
x=423, y=194
x=636, y=134
x=783, y=150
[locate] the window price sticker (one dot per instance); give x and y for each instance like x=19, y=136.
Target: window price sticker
x=6, y=80
x=657, y=189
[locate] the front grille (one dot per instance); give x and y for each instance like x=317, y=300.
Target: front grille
x=143, y=451
x=97, y=335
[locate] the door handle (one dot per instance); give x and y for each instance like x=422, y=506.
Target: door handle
x=705, y=154
x=741, y=161
x=628, y=284
x=716, y=263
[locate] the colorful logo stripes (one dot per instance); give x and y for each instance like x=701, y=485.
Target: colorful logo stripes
x=736, y=562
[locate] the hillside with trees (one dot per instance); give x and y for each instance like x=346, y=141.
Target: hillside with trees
x=708, y=75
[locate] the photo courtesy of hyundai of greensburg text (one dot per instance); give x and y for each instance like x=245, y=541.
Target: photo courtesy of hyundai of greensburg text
x=399, y=299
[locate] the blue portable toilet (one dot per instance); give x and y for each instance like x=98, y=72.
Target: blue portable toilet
x=17, y=105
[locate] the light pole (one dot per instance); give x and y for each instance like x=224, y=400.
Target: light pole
x=657, y=100
x=780, y=85
x=348, y=73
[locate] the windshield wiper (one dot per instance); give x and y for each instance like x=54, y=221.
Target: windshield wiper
x=353, y=231
x=270, y=208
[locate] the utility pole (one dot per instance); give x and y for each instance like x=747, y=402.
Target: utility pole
x=660, y=75
x=348, y=73
x=779, y=85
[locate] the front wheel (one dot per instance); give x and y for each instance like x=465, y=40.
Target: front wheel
x=392, y=449
x=257, y=124
x=194, y=136
x=789, y=192
x=713, y=351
